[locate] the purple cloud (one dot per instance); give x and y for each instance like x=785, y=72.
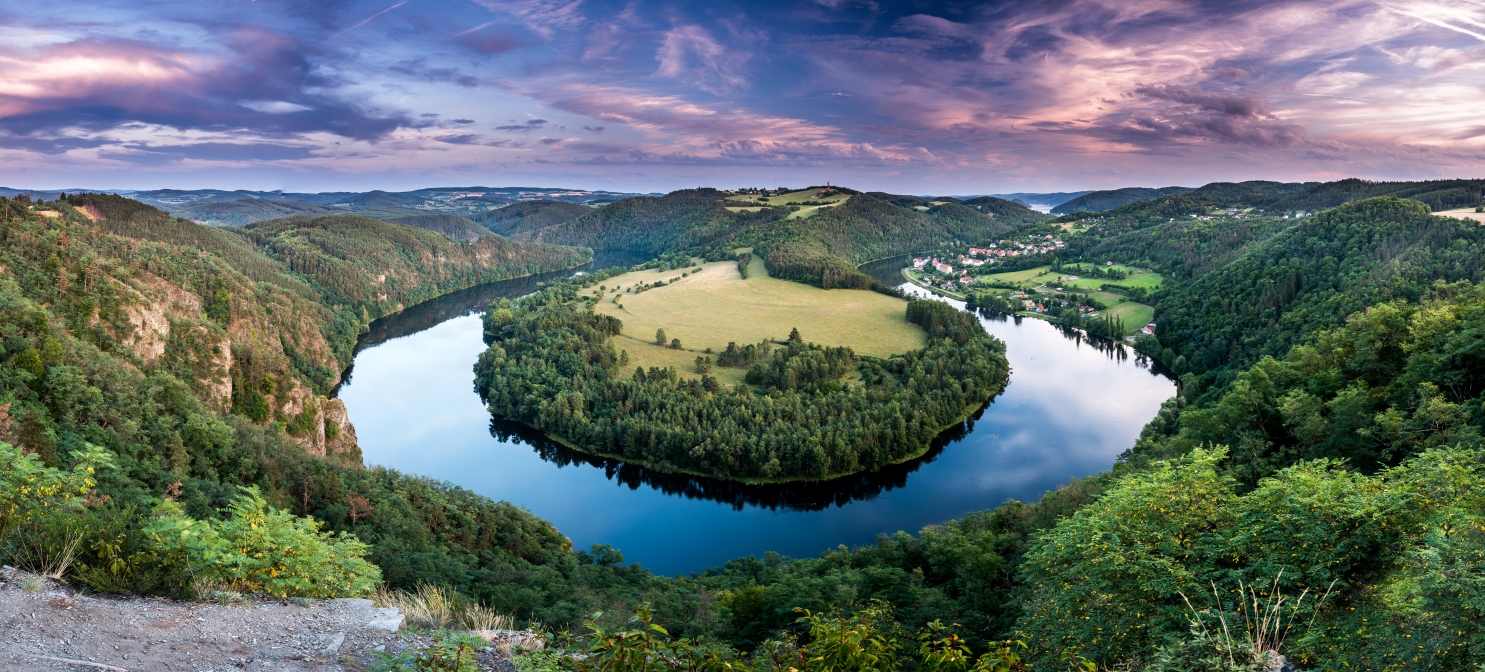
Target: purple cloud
x=1054, y=93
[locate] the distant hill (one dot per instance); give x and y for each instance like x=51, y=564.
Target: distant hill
x=1098, y=201
x=1280, y=197
x=521, y=220
x=1049, y=199
x=1436, y=194
x=464, y=201
x=453, y=226
x=249, y=210
x=245, y=211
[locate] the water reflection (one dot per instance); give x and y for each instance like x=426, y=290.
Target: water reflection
x=803, y=496
x=473, y=300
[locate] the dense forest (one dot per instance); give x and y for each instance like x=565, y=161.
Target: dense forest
x=521, y=220
x=1324, y=449
x=551, y=365
x=1112, y=198
x=451, y=225
x=247, y=211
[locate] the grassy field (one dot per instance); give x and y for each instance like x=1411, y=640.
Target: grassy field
x=808, y=200
x=1043, y=275
x=1463, y=213
x=707, y=309
x=1135, y=315
x=644, y=352
x=803, y=197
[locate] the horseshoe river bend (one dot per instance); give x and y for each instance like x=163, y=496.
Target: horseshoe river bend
x=1072, y=405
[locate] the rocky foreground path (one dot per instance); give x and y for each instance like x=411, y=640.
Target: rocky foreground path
x=46, y=626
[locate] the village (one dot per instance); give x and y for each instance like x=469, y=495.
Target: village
x=1080, y=292
x=955, y=272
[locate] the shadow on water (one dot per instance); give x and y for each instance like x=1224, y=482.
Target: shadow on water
x=473, y=300
x=801, y=496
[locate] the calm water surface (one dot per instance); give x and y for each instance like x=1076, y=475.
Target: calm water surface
x=1071, y=407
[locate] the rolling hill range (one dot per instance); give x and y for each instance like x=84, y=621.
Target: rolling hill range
x=1097, y=201
x=822, y=248
x=246, y=211
x=1437, y=194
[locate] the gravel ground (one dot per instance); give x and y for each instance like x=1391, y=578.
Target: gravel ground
x=42, y=621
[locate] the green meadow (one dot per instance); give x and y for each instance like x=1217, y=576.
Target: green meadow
x=716, y=305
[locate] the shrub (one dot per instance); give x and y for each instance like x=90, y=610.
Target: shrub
x=260, y=548
x=29, y=489
x=448, y=652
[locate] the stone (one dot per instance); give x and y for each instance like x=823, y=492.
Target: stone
x=357, y=603
x=389, y=619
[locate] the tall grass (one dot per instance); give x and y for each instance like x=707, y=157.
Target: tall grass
x=443, y=609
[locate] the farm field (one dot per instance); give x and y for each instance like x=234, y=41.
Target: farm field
x=709, y=308
x=1463, y=213
x=802, y=197
x=1135, y=315
x=1040, y=275
x=644, y=353
x=807, y=199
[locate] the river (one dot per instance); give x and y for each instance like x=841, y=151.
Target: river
x=1071, y=407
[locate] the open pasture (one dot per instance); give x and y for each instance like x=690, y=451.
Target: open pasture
x=1043, y=275
x=808, y=200
x=1135, y=315
x=644, y=353
x=802, y=197
x=707, y=309
x=1463, y=213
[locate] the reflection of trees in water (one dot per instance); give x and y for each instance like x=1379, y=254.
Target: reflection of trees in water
x=1115, y=350
x=434, y=312
x=804, y=496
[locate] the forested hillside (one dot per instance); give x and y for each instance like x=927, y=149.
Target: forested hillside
x=198, y=361
x=1314, y=274
x=379, y=268
x=522, y=220
x=452, y=226
x=246, y=211
x=1098, y=201
x=823, y=249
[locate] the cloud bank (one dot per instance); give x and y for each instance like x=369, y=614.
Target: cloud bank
x=947, y=97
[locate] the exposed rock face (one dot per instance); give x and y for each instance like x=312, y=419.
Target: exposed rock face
x=320, y=424
x=154, y=303
x=167, y=326
x=343, y=444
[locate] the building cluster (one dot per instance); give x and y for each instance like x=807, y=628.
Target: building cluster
x=1037, y=245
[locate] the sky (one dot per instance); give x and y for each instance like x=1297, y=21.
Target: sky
x=639, y=95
